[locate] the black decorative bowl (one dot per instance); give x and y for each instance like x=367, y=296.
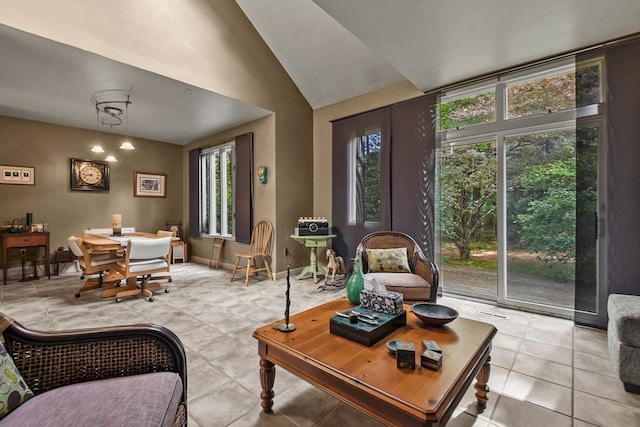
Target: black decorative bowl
x=434, y=314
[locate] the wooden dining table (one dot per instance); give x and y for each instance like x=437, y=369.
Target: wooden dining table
x=107, y=243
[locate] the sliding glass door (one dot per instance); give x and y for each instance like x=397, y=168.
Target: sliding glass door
x=540, y=220
x=468, y=219
x=518, y=189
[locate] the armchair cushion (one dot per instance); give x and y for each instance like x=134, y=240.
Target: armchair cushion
x=138, y=400
x=393, y=260
x=411, y=286
x=13, y=390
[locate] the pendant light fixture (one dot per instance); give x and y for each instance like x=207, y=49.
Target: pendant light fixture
x=126, y=145
x=112, y=108
x=97, y=148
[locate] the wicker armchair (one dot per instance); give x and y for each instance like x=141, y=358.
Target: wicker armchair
x=422, y=288
x=49, y=360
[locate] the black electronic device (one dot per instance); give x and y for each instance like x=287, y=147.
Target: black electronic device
x=313, y=226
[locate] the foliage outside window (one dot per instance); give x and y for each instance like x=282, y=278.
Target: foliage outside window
x=468, y=194
x=541, y=194
x=366, y=150
x=538, y=163
x=217, y=190
x=469, y=110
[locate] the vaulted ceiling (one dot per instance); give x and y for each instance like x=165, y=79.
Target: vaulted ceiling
x=332, y=50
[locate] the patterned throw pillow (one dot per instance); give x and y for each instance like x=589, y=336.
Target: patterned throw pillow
x=388, y=260
x=13, y=390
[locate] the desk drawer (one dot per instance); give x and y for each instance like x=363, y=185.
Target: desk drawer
x=24, y=241
x=315, y=243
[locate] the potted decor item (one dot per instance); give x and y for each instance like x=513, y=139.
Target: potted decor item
x=355, y=284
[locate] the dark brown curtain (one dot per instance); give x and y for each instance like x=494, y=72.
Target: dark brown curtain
x=244, y=188
x=622, y=63
x=194, y=193
x=349, y=234
x=617, y=218
x=413, y=170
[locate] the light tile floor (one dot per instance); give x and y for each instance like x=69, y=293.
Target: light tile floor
x=545, y=371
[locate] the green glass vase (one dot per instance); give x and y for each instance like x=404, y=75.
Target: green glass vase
x=355, y=284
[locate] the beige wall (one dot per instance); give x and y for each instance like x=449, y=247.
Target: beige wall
x=211, y=45
x=48, y=148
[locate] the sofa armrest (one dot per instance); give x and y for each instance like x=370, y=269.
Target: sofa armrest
x=48, y=360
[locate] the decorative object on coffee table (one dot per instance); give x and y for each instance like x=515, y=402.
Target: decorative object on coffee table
x=370, y=327
x=405, y=355
x=355, y=284
x=434, y=314
x=286, y=326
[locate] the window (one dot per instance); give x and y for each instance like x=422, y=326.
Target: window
x=462, y=110
x=364, y=188
x=217, y=166
x=549, y=93
x=519, y=187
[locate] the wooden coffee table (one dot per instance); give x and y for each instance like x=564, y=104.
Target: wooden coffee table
x=367, y=377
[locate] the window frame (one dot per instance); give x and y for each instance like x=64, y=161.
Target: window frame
x=224, y=150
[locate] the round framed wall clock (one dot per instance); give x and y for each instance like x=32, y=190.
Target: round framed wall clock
x=89, y=175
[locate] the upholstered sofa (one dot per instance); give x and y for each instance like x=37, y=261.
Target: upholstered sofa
x=623, y=335
x=419, y=283
x=124, y=375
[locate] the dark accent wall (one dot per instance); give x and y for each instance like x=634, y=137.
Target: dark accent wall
x=407, y=172
x=348, y=233
x=413, y=170
x=623, y=173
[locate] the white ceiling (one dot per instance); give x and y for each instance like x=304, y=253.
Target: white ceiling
x=332, y=49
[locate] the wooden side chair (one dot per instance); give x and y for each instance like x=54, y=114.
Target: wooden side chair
x=143, y=258
x=92, y=264
x=218, y=243
x=259, y=248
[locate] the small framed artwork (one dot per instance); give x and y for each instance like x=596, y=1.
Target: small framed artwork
x=175, y=225
x=21, y=175
x=146, y=184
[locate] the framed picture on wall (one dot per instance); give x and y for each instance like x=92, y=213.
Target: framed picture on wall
x=146, y=184
x=21, y=175
x=89, y=175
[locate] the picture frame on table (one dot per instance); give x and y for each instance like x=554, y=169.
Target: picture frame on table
x=148, y=184
x=20, y=175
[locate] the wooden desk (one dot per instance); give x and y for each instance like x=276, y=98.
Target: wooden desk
x=367, y=378
x=25, y=240
x=312, y=242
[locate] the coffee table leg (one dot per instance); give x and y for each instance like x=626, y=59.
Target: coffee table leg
x=481, y=386
x=267, y=378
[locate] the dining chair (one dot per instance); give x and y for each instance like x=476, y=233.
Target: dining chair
x=172, y=234
x=143, y=258
x=259, y=248
x=92, y=264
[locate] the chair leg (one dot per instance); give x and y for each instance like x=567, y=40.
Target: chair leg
x=249, y=269
x=266, y=264
x=235, y=268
